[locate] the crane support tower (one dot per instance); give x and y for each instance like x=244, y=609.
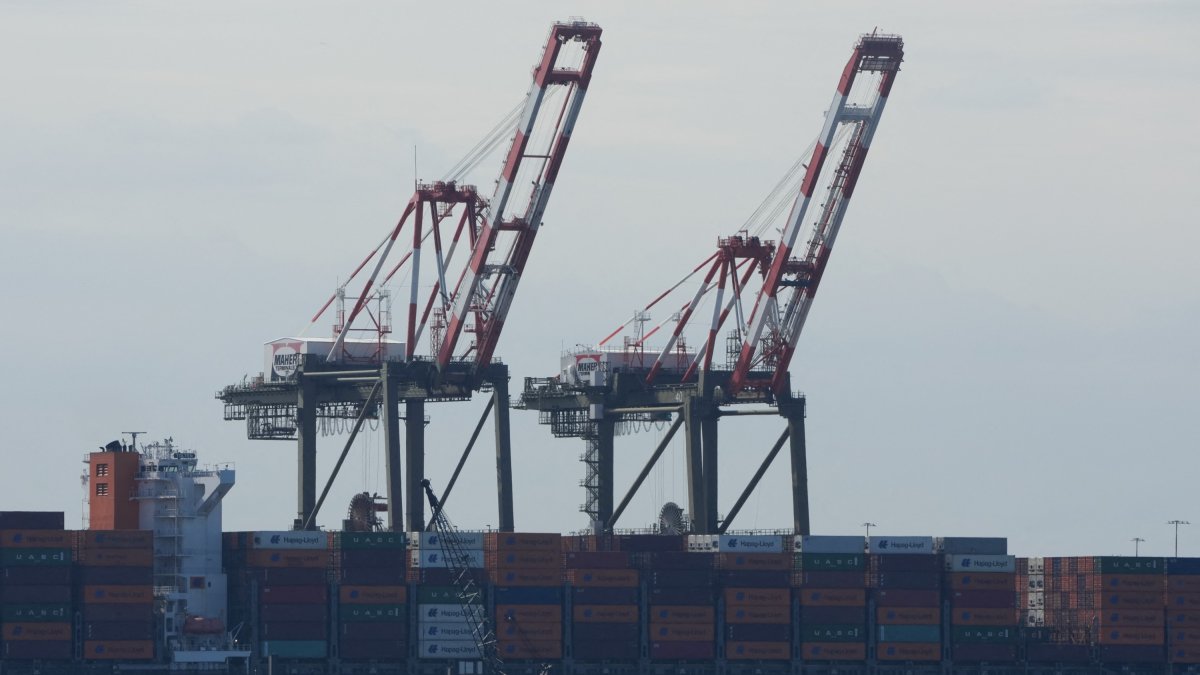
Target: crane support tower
x=359, y=373
x=600, y=388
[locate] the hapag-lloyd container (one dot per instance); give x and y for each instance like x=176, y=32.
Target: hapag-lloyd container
x=289, y=539
x=605, y=632
x=682, y=631
x=833, y=651
x=982, y=616
x=735, y=543
x=58, y=630
x=894, y=545
x=682, y=614
x=833, y=597
x=900, y=616
x=433, y=540
x=757, y=614
x=599, y=578
x=432, y=557
x=530, y=649
x=447, y=649
x=682, y=651
x=437, y=613
x=446, y=630
x=37, y=538
x=758, y=596
x=604, y=613
x=526, y=614
x=971, y=545
x=986, y=581
x=758, y=651
x=981, y=563
x=537, y=631
x=908, y=651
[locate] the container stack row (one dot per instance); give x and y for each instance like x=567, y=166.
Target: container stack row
x=116, y=570
x=372, y=595
x=36, y=607
x=1183, y=610
x=832, y=586
x=526, y=572
x=905, y=577
x=604, y=593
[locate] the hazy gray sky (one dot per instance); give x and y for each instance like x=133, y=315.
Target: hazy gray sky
x=1004, y=344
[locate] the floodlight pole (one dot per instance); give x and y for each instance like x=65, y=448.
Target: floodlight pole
x=1177, y=523
x=1136, y=541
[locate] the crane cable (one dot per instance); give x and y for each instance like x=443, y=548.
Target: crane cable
x=503, y=129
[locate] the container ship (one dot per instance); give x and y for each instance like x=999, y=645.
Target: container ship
x=155, y=585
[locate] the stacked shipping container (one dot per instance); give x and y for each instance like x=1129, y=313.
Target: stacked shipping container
x=983, y=614
x=35, y=590
x=832, y=581
x=682, y=592
x=526, y=569
x=906, y=580
x=1183, y=610
x=1131, y=615
x=445, y=627
x=372, y=595
x=755, y=573
x=604, y=600
x=116, y=570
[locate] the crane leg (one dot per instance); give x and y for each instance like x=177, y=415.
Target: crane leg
x=708, y=432
x=794, y=412
x=414, y=434
x=695, y=467
x=390, y=410
x=504, y=476
x=306, y=451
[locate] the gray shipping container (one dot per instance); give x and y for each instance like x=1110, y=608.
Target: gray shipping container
x=831, y=544
x=973, y=545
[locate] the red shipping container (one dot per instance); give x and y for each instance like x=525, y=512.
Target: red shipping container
x=602, y=578
x=117, y=557
x=37, y=538
x=983, y=616
x=833, y=651
x=528, y=649
x=1131, y=599
x=685, y=632
x=525, y=559
x=35, y=631
x=833, y=597
x=266, y=557
x=984, y=581
x=91, y=539
x=755, y=561
x=682, y=614
x=543, y=631
x=908, y=651
x=118, y=650
x=605, y=613
x=758, y=614
x=908, y=616
x=1150, y=583
x=528, y=613
x=373, y=595
x=758, y=651
x=682, y=651
x=525, y=577
x=118, y=595
x=1133, y=617
x=1132, y=635
x=758, y=596
x=522, y=541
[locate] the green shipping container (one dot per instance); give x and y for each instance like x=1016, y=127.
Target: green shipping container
x=349, y=541
x=34, y=613
x=295, y=649
x=437, y=595
x=17, y=557
x=832, y=632
x=832, y=562
x=1128, y=565
x=910, y=633
x=373, y=612
x=983, y=634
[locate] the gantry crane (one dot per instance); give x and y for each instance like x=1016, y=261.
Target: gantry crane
x=348, y=379
x=606, y=386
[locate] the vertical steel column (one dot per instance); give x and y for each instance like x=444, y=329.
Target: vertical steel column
x=794, y=412
x=606, y=428
x=697, y=504
x=306, y=455
x=708, y=434
x=389, y=408
x=414, y=455
x=504, y=480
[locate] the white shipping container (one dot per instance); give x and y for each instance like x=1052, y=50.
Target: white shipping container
x=701, y=543
x=433, y=540
x=886, y=545
x=432, y=613
x=289, y=539
x=422, y=559
x=981, y=563
x=447, y=649
x=750, y=543
x=445, y=630
x=283, y=356
x=593, y=368
x=825, y=543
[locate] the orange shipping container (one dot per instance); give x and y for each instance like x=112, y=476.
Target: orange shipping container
x=522, y=541
x=535, y=559
x=833, y=651
x=1183, y=617
x=539, y=631
x=1185, y=583
x=1184, y=636
x=116, y=539
x=525, y=577
x=602, y=578
x=758, y=651
x=682, y=614
x=605, y=613
x=37, y=538
x=1183, y=600
x=268, y=557
x=981, y=581
x=1133, y=617
x=373, y=595
x=528, y=613
x=1151, y=583
x=833, y=597
x=528, y=649
x=117, y=557
x=755, y=561
x=118, y=595
x=35, y=631
x=118, y=650
x=758, y=596
x=1132, y=635
x=756, y=614
x=682, y=632
x=983, y=616
x=908, y=651
x=1132, y=599
x=908, y=616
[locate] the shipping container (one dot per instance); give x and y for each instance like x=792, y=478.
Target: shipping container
x=833, y=633
x=912, y=580
x=390, y=612
x=908, y=651
x=900, y=545
x=524, y=558
x=287, y=558
x=94, y=612
x=34, y=557
x=547, y=595
x=682, y=651
x=908, y=598
x=909, y=633
x=294, y=630
x=625, y=649
x=366, y=557
x=1110, y=654
x=688, y=632
x=597, y=560
x=597, y=578
x=972, y=545
x=994, y=653
x=37, y=539
x=905, y=562
x=758, y=614
x=757, y=632
x=604, y=596
x=432, y=557
x=833, y=597
x=758, y=596
x=830, y=579
x=373, y=595
x=855, y=615
x=833, y=651
x=758, y=651
x=676, y=560
x=364, y=631
x=1049, y=652
x=366, y=576
x=899, y=616
x=374, y=541
x=118, y=650
x=987, y=581
x=318, y=612
x=525, y=577
x=119, y=630
x=832, y=562
x=293, y=595
x=35, y=630
x=53, y=575
x=983, y=616
x=31, y=520
x=983, y=599
x=830, y=544
x=35, y=613
x=447, y=649
x=1132, y=635
x=993, y=634
x=23, y=594
x=1129, y=565
x=295, y=649
x=433, y=540
x=112, y=595
x=604, y=613
x=524, y=614
x=682, y=614
x=41, y=650
x=523, y=541
x=981, y=563
x=90, y=539
x=373, y=650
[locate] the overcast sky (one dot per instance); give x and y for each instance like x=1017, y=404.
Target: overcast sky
x=1004, y=343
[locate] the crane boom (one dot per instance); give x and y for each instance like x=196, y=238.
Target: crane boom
x=774, y=325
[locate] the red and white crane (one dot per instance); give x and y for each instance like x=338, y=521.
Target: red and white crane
x=475, y=295
x=765, y=339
